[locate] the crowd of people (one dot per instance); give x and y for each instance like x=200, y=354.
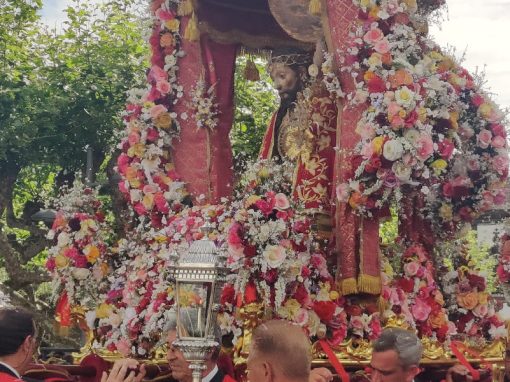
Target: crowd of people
x=279, y=352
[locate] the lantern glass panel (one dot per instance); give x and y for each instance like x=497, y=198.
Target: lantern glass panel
x=194, y=303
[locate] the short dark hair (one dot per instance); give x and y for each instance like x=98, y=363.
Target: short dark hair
x=405, y=343
x=15, y=326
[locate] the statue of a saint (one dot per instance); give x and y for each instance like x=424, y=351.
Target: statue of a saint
x=303, y=131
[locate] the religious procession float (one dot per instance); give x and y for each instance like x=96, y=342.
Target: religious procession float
x=376, y=123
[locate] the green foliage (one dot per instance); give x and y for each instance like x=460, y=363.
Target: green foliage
x=65, y=91
x=255, y=103
x=388, y=229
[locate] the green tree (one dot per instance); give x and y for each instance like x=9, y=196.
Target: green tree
x=255, y=102
x=60, y=93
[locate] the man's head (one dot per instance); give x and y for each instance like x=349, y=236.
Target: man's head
x=396, y=355
x=18, y=343
x=288, y=72
x=179, y=366
x=279, y=352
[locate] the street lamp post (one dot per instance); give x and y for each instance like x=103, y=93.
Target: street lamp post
x=199, y=275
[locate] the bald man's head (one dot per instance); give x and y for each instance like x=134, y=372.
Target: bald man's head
x=280, y=351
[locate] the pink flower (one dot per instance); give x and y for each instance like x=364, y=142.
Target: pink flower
x=484, y=138
x=123, y=347
x=498, y=130
x=152, y=135
x=373, y=35
x=498, y=142
x=366, y=131
x=157, y=74
x=473, y=165
x=157, y=110
x=424, y=147
x=481, y=310
x=133, y=138
x=140, y=209
x=445, y=148
x=274, y=255
x=500, y=164
x=356, y=323
x=50, y=264
x=477, y=100
x=163, y=86
x=411, y=268
x=420, y=310
x=367, y=150
x=164, y=15
x=342, y=192
x=382, y=46
x=500, y=197
x=301, y=317
x=281, y=202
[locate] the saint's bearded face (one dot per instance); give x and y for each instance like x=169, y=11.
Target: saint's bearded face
x=286, y=81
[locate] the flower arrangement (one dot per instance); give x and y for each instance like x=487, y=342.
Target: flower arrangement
x=416, y=297
x=471, y=307
x=426, y=125
x=79, y=257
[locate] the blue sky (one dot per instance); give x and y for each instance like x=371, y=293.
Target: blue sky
x=480, y=28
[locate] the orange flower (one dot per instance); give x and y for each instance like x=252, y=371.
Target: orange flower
x=163, y=121
x=437, y=320
x=356, y=199
x=467, y=300
x=166, y=40
x=401, y=77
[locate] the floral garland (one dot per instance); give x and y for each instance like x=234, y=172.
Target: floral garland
x=503, y=269
x=78, y=260
x=205, y=106
x=417, y=129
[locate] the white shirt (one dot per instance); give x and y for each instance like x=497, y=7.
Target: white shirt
x=211, y=375
x=14, y=371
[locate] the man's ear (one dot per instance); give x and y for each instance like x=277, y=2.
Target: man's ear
x=27, y=344
x=413, y=371
x=267, y=372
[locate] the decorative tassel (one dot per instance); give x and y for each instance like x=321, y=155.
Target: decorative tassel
x=192, y=33
x=348, y=286
x=185, y=8
x=369, y=284
x=315, y=7
x=251, y=73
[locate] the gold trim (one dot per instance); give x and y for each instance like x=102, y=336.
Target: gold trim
x=348, y=286
x=369, y=284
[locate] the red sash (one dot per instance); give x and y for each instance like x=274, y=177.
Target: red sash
x=4, y=377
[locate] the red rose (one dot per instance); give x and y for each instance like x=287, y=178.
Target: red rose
x=250, y=251
x=445, y=148
x=373, y=164
x=466, y=214
x=250, y=293
x=376, y=84
x=477, y=282
x=270, y=276
x=353, y=310
x=301, y=294
x=407, y=285
x=325, y=310
x=228, y=295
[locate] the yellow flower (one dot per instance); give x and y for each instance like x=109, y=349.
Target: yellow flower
x=136, y=150
x=375, y=59
x=422, y=114
x=485, y=110
x=374, y=12
x=172, y=25
x=290, y=308
x=377, y=144
x=163, y=121
x=103, y=311
x=483, y=298
x=104, y=269
x=148, y=201
x=436, y=55
x=92, y=253
x=454, y=119
x=61, y=261
x=263, y=173
x=446, y=213
x=411, y=4
x=333, y=295
x=251, y=200
x=439, y=165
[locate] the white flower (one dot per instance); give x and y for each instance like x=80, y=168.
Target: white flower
x=393, y=150
x=80, y=273
x=404, y=97
x=313, y=70
x=401, y=171
x=274, y=255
